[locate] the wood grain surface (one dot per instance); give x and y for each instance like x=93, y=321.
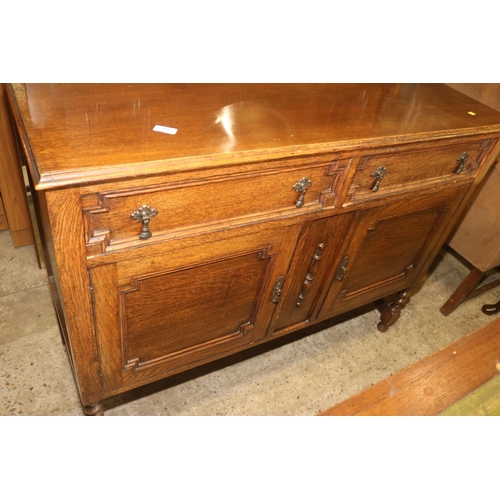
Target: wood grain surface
x=83, y=133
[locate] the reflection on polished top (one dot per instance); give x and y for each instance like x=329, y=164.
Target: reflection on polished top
x=83, y=132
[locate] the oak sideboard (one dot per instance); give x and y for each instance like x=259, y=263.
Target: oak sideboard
x=185, y=222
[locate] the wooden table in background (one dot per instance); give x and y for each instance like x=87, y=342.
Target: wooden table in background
x=14, y=209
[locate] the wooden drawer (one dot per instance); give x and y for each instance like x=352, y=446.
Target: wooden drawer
x=394, y=172
x=195, y=206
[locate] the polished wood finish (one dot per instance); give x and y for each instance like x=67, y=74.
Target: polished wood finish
x=259, y=216
x=12, y=187
x=434, y=383
x=100, y=132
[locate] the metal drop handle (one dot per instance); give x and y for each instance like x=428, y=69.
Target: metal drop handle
x=301, y=188
x=143, y=215
x=311, y=273
x=461, y=160
x=277, y=289
x=342, y=268
x=378, y=175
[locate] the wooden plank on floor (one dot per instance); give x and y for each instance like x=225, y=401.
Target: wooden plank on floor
x=434, y=383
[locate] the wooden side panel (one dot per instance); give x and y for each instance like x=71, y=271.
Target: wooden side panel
x=107, y=318
x=69, y=250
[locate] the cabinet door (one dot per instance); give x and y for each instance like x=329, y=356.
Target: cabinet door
x=389, y=249
x=167, y=312
x=316, y=250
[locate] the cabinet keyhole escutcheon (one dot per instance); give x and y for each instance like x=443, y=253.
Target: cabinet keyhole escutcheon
x=301, y=188
x=143, y=215
x=378, y=175
x=461, y=160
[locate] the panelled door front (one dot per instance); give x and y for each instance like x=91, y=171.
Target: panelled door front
x=317, y=251
x=174, y=310
x=391, y=246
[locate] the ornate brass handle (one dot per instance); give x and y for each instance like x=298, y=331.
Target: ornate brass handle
x=143, y=215
x=301, y=188
x=311, y=272
x=276, y=292
x=378, y=175
x=461, y=160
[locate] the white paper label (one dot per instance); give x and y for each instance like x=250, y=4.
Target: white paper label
x=165, y=130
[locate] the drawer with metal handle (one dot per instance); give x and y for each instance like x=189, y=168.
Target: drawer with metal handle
x=190, y=207
x=381, y=174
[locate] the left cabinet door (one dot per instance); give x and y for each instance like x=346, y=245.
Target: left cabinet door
x=186, y=303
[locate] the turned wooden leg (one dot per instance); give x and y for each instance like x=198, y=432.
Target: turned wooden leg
x=94, y=410
x=463, y=291
x=390, y=314
x=491, y=308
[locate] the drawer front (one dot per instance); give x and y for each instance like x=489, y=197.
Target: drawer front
x=192, y=207
x=383, y=174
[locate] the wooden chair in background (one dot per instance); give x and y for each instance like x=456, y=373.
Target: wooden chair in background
x=477, y=235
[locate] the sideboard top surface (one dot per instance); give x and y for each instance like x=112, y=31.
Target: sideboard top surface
x=85, y=133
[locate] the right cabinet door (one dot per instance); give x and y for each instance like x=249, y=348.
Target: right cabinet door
x=388, y=249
